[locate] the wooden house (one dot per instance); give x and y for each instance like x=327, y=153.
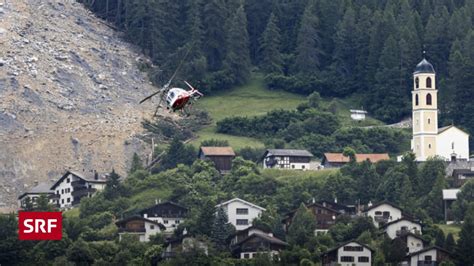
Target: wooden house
x=325, y=217
x=335, y=160
x=221, y=156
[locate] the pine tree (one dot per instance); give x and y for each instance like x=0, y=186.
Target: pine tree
x=302, y=226
x=434, y=200
x=270, y=47
x=221, y=229
x=137, y=164
x=113, y=188
x=344, y=54
x=214, y=35
x=207, y=213
x=436, y=41
x=258, y=16
x=308, y=50
x=465, y=244
x=237, y=60
x=450, y=243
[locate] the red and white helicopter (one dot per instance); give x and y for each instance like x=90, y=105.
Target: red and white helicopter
x=176, y=98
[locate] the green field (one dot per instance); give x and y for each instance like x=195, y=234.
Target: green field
x=254, y=99
x=450, y=228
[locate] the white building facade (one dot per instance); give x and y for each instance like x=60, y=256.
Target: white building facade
x=401, y=226
x=348, y=254
x=240, y=212
x=383, y=213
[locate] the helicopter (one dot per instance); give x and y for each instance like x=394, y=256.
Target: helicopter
x=177, y=99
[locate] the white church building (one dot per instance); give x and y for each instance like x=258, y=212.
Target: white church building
x=428, y=140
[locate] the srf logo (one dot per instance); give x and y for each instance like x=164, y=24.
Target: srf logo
x=40, y=225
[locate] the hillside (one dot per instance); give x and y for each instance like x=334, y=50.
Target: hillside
x=69, y=90
x=254, y=99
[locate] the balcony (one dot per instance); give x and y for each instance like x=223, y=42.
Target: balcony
x=83, y=191
x=427, y=263
x=78, y=183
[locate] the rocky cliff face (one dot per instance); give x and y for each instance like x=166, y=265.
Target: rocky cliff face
x=69, y=92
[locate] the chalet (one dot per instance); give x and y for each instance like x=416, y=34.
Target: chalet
x=258, y=243
x=139, y=227
x=383, y=212
x=324, y=217
x=287, y=159
x=400, y=227
x=341, y=208
x=221, y=156
x=168, y=213
x=414, y=242
x=34, y=193
x=461, y=176
x=348, y=254
x=73, y=186
x=335, y=160
x=428, y=256
x=242, y=234
x=240, y=212
x=449, y=197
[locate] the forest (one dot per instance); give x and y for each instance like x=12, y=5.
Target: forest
x=335, y=47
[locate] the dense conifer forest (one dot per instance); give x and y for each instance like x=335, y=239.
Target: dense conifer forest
x=335, y=47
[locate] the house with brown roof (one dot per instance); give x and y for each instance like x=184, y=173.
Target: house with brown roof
x=347, y=254
x=324, y=217
x=258, y=243
x=335, y=160
x=139, y=227
x=221, y=156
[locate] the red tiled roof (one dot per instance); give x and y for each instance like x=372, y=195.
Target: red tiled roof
x=360, y=157
x=222, y=151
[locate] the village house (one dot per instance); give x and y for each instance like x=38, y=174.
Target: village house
x=400, y=227
x=449, y=197
x=414, y=242
x=139, y=227
x=73, y=186
x=383, y=212
x=429, y=256
x=258, y=242
x=34, y=193
x=324, y=217
x=350, y=210
x=240, y=212
x=287, y=159
x=347, y=254
x=168, y=213
x=461, y=176
x=336, y=160
x=221, y=156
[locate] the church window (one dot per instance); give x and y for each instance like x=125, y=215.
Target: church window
x=428, y=82
x=452, y=145
x=429, y=146
x=416, y=99
x=417, y=83
x=429, y=121
x=428, y=99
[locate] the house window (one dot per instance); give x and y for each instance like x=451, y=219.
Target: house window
x=428, y=258
x=62, y=201
x=165, y=221
x=320, y=211
x=347, y=259
x=68, y=180
x=62, y=191
x=428, y=99
x=363, y=259
x=417, y=83
x=302, y=167
x=242, y=222
x=68, y=200
x=428, y=82
x=176, y=222
x=293, y=166
x=242, y=211
x=152, y=227
x=416, y=100
x=246, y=256
x=353, y=248
x=378, y=213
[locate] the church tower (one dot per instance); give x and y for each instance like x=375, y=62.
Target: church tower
x=425, y=111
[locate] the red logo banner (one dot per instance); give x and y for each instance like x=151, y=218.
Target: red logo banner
x=40, y=225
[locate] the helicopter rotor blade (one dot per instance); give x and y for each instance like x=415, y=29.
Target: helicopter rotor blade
x=177, y=69
x=189, y=85
x=150, y=96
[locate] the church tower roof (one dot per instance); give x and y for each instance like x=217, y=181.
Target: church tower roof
x=424, y=67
